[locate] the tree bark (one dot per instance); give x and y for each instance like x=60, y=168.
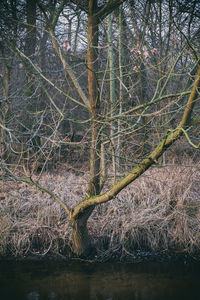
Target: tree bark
x=112, y=94
x=29, y=48
x=94, y=184
x=81, y=241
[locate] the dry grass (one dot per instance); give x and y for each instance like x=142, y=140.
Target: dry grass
x=159, y=211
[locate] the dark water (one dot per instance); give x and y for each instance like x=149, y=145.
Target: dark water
x=51, y=280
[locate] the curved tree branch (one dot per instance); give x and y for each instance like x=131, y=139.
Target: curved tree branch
x=35, y=185
x=167, y=141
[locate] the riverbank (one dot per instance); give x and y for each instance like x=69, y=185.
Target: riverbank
x=116, y=256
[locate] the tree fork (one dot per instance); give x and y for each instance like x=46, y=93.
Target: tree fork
x=147, y=162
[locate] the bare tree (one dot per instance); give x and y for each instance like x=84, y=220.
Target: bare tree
x=147, y=106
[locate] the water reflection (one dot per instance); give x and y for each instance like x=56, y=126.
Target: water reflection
x=40, y=280
x=33, y=296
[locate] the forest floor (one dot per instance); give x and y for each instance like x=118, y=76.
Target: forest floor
x=157, y=217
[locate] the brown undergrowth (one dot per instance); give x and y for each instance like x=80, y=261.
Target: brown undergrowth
x=160, y=211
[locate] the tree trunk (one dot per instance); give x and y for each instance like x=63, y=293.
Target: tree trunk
x=94, y=184
x=82, y=245
x=112, y=94
x=81, y=241
x=29, y=49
